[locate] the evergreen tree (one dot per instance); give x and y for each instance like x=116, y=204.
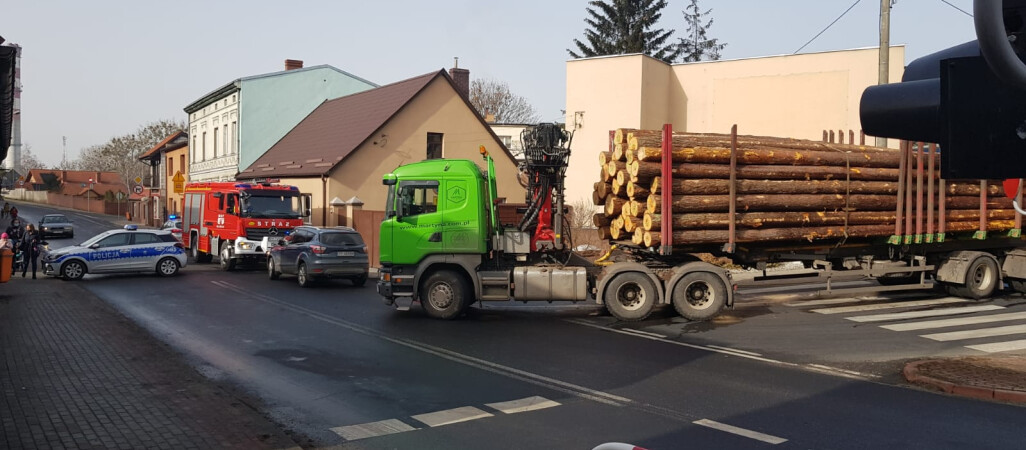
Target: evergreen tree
x=696, y=45
x=618, y=27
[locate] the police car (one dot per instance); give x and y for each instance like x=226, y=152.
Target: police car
x=118, y=251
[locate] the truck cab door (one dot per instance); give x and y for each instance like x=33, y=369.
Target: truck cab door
x=417, y=231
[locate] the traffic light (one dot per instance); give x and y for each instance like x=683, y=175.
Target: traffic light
x=970, y=99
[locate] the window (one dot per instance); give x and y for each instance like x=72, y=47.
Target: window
x=181, y=162
x=216, y=131
x=335, y=238
x=434, y=145
x=146, y=238
x=114, y=240
x=204, y=146
x=419, y=197
x=507, y=141
x=170, y=166
x=194, y=148
x=224, y=141
x=235, y=138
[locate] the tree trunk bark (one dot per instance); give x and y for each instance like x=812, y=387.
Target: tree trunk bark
x=717, y=186
x=761, y=155
x=647, y=171
x=768, y=203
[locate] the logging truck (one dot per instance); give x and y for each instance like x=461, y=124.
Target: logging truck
x=844, y=211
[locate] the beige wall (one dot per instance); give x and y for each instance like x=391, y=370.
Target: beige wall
x=174, y=202
x=437, y=109
x=795, y=96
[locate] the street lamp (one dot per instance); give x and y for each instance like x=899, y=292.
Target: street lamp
x=89, y=196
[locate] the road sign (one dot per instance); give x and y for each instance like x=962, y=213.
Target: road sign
x=138, y=180
x=121, y=195
x=179, y=182
x=138, y=189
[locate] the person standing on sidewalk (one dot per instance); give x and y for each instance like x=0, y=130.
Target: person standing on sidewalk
x=7, y=209
x=30, y=247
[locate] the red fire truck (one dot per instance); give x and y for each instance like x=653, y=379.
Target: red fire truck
x=239, y=221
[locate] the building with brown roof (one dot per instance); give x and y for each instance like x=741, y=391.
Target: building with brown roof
x=345, y=145
x=168, y=161
x=79, y=189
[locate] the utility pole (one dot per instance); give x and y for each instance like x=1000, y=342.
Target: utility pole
x=885, y=50
x=64, y=159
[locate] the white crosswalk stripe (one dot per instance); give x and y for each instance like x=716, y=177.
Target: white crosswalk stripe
x=1000, y=346
x=892, y=305
x=974, y=334
x=920, y=314
x=944, y=323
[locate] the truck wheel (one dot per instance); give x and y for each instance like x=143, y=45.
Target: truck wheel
x=227, y=263
x=630, y=296
x=272, y=272
x=699, y=296
x=981, y=280
x=444, y=295
x=198, y=256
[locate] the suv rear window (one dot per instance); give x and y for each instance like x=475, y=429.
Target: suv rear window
x=336, y=238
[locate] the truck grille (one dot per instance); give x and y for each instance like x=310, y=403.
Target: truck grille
x=256, y=234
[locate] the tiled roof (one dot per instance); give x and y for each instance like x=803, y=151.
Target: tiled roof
x=148, y=154
x=338, y=127
x=334, y=129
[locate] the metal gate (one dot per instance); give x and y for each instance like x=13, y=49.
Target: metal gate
x=368, y=224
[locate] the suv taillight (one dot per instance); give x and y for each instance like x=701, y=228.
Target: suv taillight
x=318, y=249
x=362, y=249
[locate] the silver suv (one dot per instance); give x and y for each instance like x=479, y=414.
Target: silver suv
x=313, y=253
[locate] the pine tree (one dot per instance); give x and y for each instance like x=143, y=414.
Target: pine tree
x=618, y=27
x=697, y=46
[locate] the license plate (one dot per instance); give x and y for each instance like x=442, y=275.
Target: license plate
x=346, y=253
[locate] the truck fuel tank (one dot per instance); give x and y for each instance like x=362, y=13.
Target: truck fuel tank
x=550, y=283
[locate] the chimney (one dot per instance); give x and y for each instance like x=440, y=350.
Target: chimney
x=293, y=64
x=489, y=117
x=460, y=78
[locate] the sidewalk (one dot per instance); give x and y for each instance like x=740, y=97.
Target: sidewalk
x=1000, y=378
x=75, y=373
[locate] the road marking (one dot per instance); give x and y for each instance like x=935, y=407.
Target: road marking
x=682, y=344
x=1000, y=346
x=644, y=333
x=972, y=334
x=927, y=324
x=829, y=301
x=734, y=350
x=879, y=306
x=507, y=371
x=843, y=372
x=919, y=314
x=522, y=405
x=451, y=416
x=769, y=439
x=373, y=429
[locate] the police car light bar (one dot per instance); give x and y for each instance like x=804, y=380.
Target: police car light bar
x=132, y=227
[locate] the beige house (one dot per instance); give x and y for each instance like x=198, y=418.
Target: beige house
x=168, y=160
x=343, y=147
x=796, y=96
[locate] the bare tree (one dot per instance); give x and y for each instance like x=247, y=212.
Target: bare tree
x=120, y=154
x=29, y=160
x=494, y=97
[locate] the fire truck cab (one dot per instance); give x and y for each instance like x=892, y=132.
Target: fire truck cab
x=239, y=221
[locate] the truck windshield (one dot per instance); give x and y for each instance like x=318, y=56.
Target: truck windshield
x=263, y=205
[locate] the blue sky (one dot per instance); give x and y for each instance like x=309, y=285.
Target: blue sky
x=97, y=69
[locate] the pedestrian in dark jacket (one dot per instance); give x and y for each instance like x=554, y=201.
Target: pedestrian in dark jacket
x=14, y=232
x=30, y=247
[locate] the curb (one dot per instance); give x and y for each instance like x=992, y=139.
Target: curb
x=911, y=372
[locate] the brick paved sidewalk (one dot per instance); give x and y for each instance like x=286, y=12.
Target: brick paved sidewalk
x=75, y=373
x=1001, y=378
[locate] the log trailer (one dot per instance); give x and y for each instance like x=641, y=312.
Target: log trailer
x=442, y=244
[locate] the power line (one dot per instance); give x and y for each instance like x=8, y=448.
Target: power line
x=828, y=26
x=946, y=2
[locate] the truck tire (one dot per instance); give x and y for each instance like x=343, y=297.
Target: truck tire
x=198, y=256
x=630, y=296
x=226, y=260
x=445, y=294
x=699, y=296
x=981, y=280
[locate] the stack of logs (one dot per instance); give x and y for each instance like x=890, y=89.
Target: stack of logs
x=785, y=189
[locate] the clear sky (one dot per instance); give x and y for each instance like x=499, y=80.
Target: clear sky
x=96, y=69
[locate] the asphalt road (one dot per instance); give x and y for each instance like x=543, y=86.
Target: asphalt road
x=336, y=364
